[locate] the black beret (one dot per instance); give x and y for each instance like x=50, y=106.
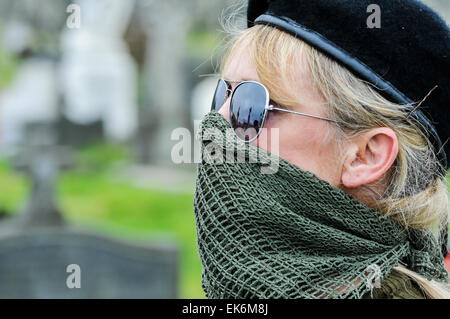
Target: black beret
x=405, y=58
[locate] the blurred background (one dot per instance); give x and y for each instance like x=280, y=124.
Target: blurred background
x=90, y=92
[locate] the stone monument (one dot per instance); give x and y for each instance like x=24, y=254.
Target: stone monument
x=42, y=256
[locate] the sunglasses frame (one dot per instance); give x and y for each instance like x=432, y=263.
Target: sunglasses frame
x=267, y=107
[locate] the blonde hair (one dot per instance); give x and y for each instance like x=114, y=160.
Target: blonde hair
x=413, y=194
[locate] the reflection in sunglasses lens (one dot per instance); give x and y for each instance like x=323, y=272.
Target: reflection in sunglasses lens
x=247, y=110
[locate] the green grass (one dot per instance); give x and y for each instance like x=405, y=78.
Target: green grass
x=8, y=67
x=13, y=188
x=91, y=197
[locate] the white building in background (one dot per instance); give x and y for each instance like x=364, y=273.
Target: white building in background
x=98, y=76
x=31, y=97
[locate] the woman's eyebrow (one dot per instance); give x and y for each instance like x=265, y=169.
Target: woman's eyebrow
x=232, y=81
x=238, y=81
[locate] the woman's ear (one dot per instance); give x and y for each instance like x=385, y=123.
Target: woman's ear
x=369, y=156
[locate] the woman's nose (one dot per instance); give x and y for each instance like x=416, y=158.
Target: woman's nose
x=224, y=110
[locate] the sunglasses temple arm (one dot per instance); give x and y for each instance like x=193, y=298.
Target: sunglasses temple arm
x=272, y=108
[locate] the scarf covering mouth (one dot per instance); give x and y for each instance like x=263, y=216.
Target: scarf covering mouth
x=290, y=234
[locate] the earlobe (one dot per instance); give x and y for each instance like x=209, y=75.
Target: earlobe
x=369, y=157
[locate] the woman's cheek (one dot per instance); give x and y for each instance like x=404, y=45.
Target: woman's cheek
x=270, y=138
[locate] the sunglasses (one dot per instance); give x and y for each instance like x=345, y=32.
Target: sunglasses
x=249, y=107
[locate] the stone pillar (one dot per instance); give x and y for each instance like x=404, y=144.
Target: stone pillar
x=166, y=24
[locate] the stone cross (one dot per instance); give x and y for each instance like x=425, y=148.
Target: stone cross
x=42, y=160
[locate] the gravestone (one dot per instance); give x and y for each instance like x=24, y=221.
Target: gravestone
x=37, y=248
x=33, y=264
x=79, y=135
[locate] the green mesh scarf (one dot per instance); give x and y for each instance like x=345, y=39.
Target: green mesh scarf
x=290, y=234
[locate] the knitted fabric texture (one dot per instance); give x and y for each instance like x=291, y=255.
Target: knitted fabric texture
x=290, y=234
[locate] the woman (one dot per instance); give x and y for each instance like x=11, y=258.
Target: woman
x=357, y=207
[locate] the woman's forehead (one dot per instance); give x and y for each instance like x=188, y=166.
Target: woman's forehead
x=240, y=63
x=240, y=66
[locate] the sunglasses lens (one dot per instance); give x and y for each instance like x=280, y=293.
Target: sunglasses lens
x=219, y=95
x=247, y=110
